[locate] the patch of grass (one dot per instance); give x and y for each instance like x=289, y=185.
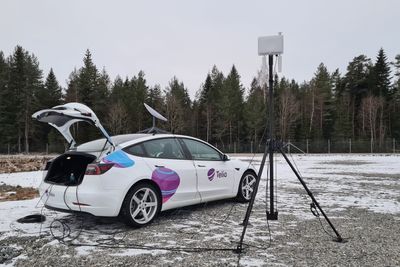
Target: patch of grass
x=12, y=193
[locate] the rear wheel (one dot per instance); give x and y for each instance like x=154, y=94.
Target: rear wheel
x=246, y=186
x=141, y=205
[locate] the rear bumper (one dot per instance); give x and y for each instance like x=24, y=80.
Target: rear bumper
x=88, y=199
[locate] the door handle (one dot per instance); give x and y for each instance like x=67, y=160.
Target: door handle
x=159, y=166
x=201, y=165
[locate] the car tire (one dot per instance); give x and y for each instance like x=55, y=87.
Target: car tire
x=141, y=205
x=246, y=186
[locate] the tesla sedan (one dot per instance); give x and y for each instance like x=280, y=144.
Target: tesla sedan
x=136, y=176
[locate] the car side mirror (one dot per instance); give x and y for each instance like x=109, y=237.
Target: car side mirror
x=225, y=157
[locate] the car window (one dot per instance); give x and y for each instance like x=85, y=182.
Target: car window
x=136, y=150
x=167, y=148
x=201, y=151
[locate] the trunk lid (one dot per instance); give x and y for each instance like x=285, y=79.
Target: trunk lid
x=63, y=116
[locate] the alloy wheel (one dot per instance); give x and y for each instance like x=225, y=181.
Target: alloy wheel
x=248, y=186
x=143, y=205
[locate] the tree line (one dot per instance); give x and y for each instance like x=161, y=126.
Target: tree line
x=364, y=102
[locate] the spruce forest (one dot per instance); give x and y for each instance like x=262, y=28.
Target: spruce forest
x=363, y=103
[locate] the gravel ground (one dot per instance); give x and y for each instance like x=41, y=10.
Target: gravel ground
x=357, y=201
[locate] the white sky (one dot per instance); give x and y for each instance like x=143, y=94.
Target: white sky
x=186, y=38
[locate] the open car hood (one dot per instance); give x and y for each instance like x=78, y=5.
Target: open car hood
x=63, y=116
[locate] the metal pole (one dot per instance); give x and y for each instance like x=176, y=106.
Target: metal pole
x=329, y=146
x=350, y=145
x=251, y=147
x=272, y=214
x=251, y=203
x=269, y=149
x=394, y=145
x=307, y=145
x=288, y=147
x=339, y=238
x=371, y=145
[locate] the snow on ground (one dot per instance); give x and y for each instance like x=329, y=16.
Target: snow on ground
x=24, y=179
x=342, y=183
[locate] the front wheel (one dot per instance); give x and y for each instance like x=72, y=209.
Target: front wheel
x=246, y=186
x=141, y=205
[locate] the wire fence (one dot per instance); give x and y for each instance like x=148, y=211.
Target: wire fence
x=295, y=146
x=34, y=148
x=318, y=146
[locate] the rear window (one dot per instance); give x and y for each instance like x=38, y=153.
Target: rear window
x=136, y=150
x=93, y=146
x=97, y=145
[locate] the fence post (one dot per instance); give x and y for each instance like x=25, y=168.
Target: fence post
x=329, y=146
x=288, y=147
x=350, y=145
x=394, y=145
x=307, y=145
x=371, y=145
x=234, y=147
x=251, y=147
x=8, y=149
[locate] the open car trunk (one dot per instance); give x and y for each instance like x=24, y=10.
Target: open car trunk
x=62, y=117
x=69, y=168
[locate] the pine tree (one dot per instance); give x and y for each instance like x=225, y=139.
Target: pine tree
x=47, y=96
x=140, y=95
x=100, y=95
x=51, y=95
x=178, y=107
x=342, y=111
x=72, y=92
x=321, y=112
x=4, y=91
x=205, y=105
x=255, y=112
x=357, y=84
x=286, y=108
x=87, y=81
x=232, y=104
x=395, y=103
x=24, y=81
x=381, y=76
x=216, y=101
x=381, y=89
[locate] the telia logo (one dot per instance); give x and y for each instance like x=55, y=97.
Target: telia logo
x=211, y=174
x=221, y=174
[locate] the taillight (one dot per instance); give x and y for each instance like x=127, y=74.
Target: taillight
x=97, y=169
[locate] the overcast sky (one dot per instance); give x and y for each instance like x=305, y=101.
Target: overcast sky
x=186, y=38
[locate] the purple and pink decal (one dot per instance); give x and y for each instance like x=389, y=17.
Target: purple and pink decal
x=168, y=181
x=211, y=174
x=120, y=159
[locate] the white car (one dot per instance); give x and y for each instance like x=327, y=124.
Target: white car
x=136, y=175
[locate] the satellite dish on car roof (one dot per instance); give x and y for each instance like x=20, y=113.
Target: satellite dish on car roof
x=155, y=115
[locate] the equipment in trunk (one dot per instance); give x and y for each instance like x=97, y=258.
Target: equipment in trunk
x=69, y=168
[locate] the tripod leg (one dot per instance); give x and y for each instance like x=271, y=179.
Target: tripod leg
x=251, y=203
x=339, y=238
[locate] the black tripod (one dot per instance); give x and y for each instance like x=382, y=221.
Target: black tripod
x=272, y=147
